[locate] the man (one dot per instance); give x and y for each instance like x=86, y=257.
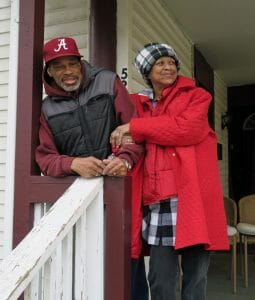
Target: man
x=83, y=106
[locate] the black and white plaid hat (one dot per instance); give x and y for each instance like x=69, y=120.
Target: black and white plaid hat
x=147, y=56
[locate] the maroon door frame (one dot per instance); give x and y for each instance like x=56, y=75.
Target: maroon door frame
x=30, y=187
x=103, y=37
x=29, y=95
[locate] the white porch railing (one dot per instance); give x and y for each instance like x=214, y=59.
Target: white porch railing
x=53, y=261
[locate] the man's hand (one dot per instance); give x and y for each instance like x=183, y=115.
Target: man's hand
x=115, y=167
x=88, y=166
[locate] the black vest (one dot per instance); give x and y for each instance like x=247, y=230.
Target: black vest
x=82, y=126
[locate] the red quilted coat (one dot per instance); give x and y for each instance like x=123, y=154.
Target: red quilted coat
x=136, y=224
x=177, y=131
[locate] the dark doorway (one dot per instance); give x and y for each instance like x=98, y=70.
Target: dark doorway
x=204, y=78
x=241, y=141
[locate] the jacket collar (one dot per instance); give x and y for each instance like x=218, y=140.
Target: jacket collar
x=180, y=83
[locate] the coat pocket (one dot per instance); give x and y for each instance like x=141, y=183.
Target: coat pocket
x=165, y=184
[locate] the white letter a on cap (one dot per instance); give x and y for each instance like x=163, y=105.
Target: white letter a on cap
x=61, y=44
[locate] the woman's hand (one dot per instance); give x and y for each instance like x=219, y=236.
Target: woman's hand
x=118, y=134
x=127, y=139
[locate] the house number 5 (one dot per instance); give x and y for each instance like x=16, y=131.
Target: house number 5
x=124, y=76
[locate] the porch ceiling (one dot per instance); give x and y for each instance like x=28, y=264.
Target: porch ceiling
x=224, y=32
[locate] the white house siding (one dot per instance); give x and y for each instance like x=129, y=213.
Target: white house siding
x=68, y=18
x=220, y=102
x=5, y=12
x=149, y=21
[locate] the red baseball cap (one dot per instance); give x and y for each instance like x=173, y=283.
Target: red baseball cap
x=58, y=47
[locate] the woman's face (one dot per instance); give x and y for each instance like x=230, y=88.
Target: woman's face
x=163, y=73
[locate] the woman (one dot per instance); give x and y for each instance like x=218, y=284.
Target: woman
x=182, y=196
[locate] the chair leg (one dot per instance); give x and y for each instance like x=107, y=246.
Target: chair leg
x=241, y=254
x=245, y=263
x=232, y=262
x=234, y=266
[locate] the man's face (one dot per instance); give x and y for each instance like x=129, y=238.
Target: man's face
x=66, y=71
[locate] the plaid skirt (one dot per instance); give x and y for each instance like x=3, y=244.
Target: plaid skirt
x=159, y=222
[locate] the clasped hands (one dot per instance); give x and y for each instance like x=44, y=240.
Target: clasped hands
x=93, y=167
x=112, y=166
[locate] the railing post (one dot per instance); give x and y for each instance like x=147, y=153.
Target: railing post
x=117, y=199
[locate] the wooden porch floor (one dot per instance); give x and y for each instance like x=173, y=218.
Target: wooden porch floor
x=219, y=284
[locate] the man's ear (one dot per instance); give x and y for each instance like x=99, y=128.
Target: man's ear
x=48, y=72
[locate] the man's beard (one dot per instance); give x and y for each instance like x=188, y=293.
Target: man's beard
x=69, y=88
